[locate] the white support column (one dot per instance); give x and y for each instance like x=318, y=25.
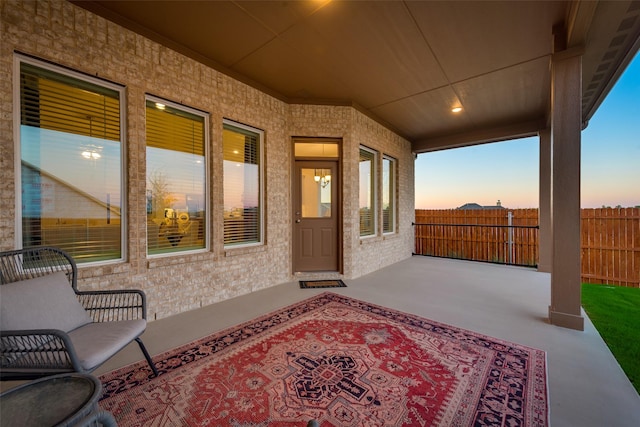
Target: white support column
x=566, y=100
x=544, y=195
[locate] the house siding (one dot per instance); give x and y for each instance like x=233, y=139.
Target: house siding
x=70, y=36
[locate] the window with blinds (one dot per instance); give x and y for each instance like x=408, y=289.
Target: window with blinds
x=71, y=147
x=388, y=194
x=176, y=139
x=367, y=192
x=242, y=159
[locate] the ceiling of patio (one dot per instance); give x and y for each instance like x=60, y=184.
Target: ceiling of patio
x=404, y=63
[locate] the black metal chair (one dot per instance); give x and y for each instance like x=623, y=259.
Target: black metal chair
x=48, y=327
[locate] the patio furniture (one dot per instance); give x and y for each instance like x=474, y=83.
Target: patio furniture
x=48, y=327
x=59, y=400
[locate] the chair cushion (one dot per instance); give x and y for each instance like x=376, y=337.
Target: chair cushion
x=46, y=302
x=96, y=342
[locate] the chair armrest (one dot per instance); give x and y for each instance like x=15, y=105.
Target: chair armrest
x=33, y=353
x=114, y=305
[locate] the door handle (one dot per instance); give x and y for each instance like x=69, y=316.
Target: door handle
x=298, y=221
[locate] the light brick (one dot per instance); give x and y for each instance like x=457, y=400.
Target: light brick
x=79, y=40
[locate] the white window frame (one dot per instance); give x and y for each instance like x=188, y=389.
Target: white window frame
x=374, y=191
x=261, y=187
x=392, y=196
x=20, y=59
x=206, y=118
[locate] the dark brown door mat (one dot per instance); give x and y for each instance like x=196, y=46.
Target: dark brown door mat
x=316, y=284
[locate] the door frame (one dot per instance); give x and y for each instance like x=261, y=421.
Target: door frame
x=337, y=181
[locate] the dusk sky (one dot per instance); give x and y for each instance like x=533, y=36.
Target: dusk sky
x=508, y=171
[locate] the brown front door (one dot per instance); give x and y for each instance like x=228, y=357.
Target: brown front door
x=315, y=216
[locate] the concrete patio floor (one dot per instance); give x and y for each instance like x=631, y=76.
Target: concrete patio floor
x=587, y=387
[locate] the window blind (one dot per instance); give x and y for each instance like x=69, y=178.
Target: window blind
x=242, y=186
x=173, y=129
x=71, y=163
x=388, y=195
x=367, y=195
x=176, y=179
x=54, y=101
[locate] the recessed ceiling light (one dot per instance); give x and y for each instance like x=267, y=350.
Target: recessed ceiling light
x=456, y=109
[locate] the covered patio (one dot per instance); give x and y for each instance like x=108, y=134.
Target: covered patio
x=439, y=74
x=586, y=385
x=381, y=78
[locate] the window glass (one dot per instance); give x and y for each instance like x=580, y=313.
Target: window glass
x=316, y=149
x=367, y=191
x=242, y=160
x=176, y=178
x=316, y=193
x=71, y=162
x=388, y=195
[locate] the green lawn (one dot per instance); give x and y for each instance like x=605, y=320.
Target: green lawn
x=615, y=312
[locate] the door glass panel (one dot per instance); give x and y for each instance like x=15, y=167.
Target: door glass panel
x=316, y=193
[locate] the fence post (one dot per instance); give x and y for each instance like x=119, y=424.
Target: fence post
x=510, y=238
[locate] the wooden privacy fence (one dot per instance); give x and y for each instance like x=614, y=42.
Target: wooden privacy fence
x=492, y=235
x=610, y=239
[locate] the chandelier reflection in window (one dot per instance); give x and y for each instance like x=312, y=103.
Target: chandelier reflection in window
x=323, y=176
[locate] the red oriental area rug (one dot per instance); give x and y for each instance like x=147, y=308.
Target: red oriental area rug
x=342, y=362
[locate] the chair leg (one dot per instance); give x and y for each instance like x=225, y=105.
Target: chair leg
x=146, y=356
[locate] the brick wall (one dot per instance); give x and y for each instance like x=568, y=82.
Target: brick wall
x=67, y=35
